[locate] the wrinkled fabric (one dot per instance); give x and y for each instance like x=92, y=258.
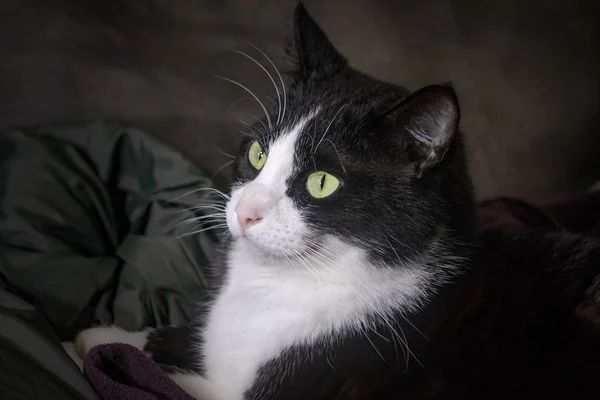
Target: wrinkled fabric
x=89, y=229
x=120, y=371
x=33, y=365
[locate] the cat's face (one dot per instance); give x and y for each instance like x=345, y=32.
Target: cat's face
x=353, y=161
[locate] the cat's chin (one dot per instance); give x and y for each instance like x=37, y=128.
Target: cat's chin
x=254, y=249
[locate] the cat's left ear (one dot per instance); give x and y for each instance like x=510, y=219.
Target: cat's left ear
x=428, y=121
x=311, y=53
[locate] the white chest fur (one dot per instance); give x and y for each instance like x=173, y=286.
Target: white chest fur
x=265, y=309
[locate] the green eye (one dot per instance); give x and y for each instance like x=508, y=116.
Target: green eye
x=257, y=155
x=321, y=184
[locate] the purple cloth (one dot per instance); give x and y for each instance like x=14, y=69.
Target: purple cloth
x=508, y=214
x=120, y=371
x=579, y=213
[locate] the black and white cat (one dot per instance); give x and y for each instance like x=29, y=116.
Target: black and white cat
x=354, y=271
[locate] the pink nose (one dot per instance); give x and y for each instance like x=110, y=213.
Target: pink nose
x=256, y=200
x=246, y=217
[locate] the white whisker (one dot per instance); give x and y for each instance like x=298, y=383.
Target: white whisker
x=225, y=153
x=228, y=163
x=246, y=134
x=278, y=74
x=256, y=119
x=329, y=126
x=221, y=217
x=395, y=252
x=218, y=207
x=414, y=327
x=372, y=344
x=200, y=231
x=253, y=95
x=209, y=189
x=270, y=77
x=338, y=155
x=308, y=265
x=203, y=218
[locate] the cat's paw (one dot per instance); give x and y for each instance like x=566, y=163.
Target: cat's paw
x=89, y=338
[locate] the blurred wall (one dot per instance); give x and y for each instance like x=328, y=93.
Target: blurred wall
x=527, y=72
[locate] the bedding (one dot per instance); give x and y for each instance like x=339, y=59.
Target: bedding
x=91, y=233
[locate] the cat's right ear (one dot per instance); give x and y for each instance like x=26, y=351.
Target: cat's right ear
x=311, y=53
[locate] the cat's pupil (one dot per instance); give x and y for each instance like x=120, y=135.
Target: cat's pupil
x=260, y=155
x=322, y=182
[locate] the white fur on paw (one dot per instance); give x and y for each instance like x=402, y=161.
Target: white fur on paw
x=70, y=350
x=92, y=337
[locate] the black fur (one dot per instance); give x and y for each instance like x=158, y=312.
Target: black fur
x=520, y=319
x=176, y=348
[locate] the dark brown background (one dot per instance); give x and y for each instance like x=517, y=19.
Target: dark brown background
x=527, y=72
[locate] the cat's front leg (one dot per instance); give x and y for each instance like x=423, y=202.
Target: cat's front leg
x=89, y=338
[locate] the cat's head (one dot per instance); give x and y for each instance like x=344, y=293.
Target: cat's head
x=347, y=160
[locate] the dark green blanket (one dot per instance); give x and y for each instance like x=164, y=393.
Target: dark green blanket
x=90, y=233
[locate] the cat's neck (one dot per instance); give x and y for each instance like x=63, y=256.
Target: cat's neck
x=339, y=285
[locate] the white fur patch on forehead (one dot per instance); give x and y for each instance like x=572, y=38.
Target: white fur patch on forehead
x=280, y=158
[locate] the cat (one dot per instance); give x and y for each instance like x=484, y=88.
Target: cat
x=355, y=270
